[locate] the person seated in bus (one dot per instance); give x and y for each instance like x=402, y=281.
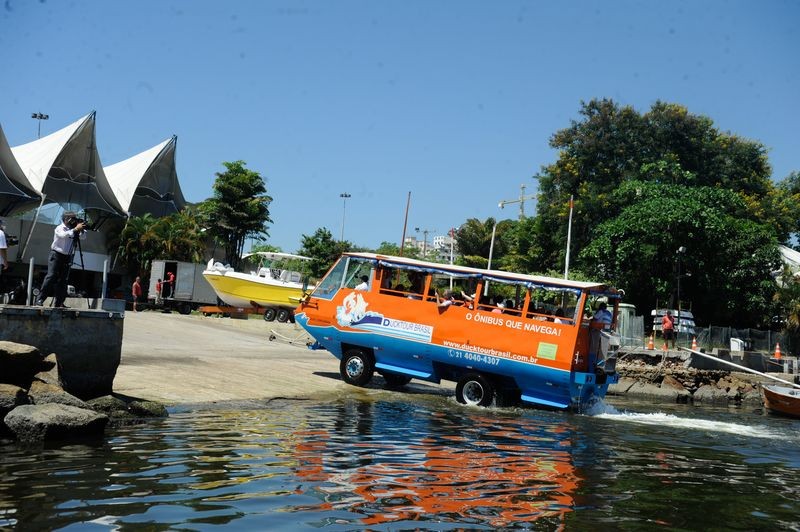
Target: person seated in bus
x=364, y=284
x=499, y=306
x=468, y=299
x=510, y=308
x=445, y=300
x=558, y=317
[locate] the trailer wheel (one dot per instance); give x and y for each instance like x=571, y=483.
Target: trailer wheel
x=357, y=367
x=395, y=380
x=269, y=314
x=283, y=315
x=185, y=308
x=474, y=389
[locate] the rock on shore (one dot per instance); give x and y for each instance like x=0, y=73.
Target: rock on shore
x=672, y=381
x=34, y=405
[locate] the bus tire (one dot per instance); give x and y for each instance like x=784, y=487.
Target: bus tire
x=357, y=367
x=185, y=308
x=474, y=389
x=395, y=380
x=269, y=314
x=283, y=315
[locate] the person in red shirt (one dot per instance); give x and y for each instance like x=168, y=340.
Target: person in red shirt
x=170, y=282
x=668, y=328
x=136, y=291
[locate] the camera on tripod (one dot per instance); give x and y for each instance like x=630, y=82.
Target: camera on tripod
x=73, y=221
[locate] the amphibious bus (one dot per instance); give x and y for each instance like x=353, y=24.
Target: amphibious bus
x=503, y=337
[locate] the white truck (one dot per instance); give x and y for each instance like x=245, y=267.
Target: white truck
x=191, y=290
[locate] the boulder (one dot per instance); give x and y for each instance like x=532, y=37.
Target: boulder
x=108, y=404
x=34, y=423
x=19, y=362
x=710, y=394
x=11, y=397
x=43, y=393
x=48, y=371
x=671, y=383
x=147, y=409
x=752, y=397
x=653, y=391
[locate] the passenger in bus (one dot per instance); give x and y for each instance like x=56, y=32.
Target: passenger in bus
x=364, y=284
x=468, y=299
x=444, y=300
x=559, y=316
x=499, y=306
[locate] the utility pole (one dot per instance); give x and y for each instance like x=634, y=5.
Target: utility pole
x=521, y=200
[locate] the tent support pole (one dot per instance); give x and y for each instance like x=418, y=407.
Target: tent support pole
x=33, y=226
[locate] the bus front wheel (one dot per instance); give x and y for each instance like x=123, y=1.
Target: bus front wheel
x=474, y=389
x=356, y=367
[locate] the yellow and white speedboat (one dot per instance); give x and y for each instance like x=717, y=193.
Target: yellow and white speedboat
x=277, y=289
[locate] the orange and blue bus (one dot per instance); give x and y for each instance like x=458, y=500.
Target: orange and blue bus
x=503, y=337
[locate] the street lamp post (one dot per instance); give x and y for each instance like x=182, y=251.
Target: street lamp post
x=39, y=117
x=424, y=239
x=344, y=196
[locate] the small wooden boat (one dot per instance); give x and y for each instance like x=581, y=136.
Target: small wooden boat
x=781, y=399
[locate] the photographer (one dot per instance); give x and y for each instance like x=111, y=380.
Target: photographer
x=60, y=259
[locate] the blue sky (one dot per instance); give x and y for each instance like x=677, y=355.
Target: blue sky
x=452, y=101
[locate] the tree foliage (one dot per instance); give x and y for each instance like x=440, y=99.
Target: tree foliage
x=323, y=250
x=176, y=237
x=725, y=270
x=238, y=209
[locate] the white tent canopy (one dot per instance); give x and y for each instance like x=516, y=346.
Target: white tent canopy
x=16, y=192
x=148, y=182
x=65, y=167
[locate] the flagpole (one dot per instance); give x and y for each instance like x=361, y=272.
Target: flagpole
x=569, y=237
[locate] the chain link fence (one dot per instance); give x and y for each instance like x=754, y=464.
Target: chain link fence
x=632, y=333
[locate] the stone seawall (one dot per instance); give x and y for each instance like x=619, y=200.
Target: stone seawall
x=87, y=343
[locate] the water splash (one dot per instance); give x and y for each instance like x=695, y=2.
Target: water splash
x=661, y=419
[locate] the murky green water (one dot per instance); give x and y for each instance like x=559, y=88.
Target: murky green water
x=392, y=461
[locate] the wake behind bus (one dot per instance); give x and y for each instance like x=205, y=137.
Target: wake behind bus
x=504, y=338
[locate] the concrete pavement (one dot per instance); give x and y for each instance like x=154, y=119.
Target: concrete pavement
x=177, y=359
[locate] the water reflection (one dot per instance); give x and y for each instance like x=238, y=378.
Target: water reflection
x=388, y=461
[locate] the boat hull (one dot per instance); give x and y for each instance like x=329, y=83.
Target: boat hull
x=782, y=400
x=246, y=290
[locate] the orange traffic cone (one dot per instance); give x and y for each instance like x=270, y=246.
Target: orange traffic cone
x=651, y=344
x=694, y=343
x=778, y=351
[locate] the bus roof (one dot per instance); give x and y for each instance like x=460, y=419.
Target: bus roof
x=456, y=270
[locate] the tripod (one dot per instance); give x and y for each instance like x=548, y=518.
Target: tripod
x=77, y=241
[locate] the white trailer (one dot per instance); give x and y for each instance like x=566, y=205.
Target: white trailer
x=191, y=289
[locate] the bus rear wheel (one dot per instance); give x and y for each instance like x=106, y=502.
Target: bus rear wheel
x=356, y=367
x=474, y=389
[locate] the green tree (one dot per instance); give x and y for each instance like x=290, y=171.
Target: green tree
x=612, y=145
x=238, y=209
x=725, y=271
x=474, y=242
x=323, y=250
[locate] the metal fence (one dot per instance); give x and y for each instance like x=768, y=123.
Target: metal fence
x=710, y=337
